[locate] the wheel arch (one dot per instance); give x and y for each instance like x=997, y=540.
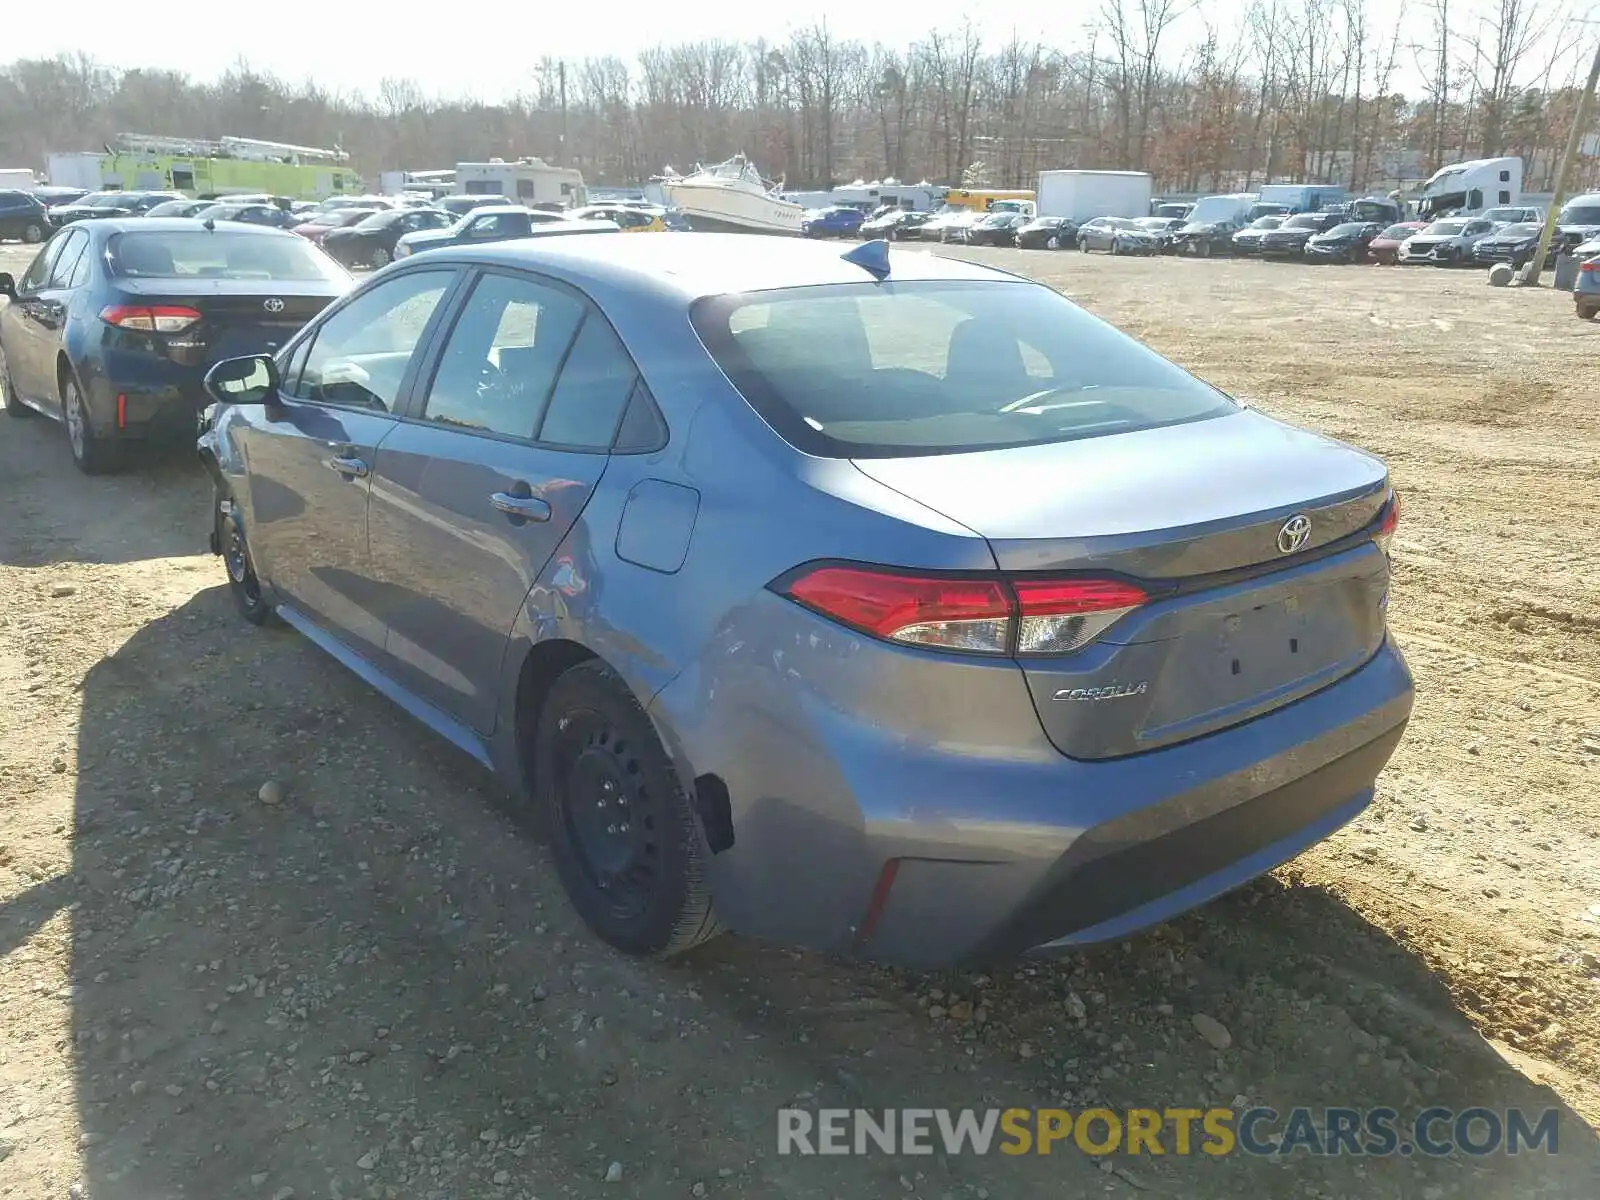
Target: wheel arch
x=533, y=669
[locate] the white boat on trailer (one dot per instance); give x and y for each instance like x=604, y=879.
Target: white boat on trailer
x=731, y=197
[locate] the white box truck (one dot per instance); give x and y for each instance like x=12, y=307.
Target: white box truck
x=17, y=177
x=1080, y=195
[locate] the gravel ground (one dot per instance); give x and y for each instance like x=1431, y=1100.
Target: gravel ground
x=372, y=987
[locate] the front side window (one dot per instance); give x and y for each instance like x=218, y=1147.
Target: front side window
x=501, y=361
x=940, y=367
x=360, y=355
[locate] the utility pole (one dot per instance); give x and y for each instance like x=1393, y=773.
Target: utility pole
x=561, y=75
x=1569, y=159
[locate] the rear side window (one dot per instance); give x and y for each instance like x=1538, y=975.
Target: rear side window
x=594, y=387
x=502, y=357
x=940, y=367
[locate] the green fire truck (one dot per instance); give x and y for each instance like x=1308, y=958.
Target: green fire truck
x=227, y=166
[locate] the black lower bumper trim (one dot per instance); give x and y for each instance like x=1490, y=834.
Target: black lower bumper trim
x=1111, y=870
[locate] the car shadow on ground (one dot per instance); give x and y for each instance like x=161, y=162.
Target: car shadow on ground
x=366, y=985
x=120, y=519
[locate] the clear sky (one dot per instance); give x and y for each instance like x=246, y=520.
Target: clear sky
x=488, y=50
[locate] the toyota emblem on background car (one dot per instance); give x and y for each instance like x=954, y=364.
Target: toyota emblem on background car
x=1295, y=533
x=273, y=306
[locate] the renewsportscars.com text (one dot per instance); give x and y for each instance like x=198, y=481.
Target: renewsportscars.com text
x=1359, y=1132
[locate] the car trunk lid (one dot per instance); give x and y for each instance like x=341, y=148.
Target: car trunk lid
x=236, y=316
x=1250, y=538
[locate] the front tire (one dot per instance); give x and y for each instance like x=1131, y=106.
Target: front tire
x=91, y=453
x=622, y=829
x=234, y=548
x=381, y=258
x=10, y=403
x=1052, y=242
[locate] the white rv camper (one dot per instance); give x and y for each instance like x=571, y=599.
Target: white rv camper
x=529, y=181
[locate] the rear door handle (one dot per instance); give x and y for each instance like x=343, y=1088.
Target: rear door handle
x=350, y=468
x=527, y=508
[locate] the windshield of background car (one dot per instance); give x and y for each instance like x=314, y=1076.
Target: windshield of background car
x=378, y=220
x=1576, y=214
x=1398, y=232
x=937, y=367
x=1348, y=230
x=1447, y=228
x=1525, y=230
x=1266, y=222
x=201, y=254
x=105, y=200
x=1303, y=221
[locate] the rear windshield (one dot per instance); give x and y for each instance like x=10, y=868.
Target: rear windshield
x=200, y=254
x=940, y=367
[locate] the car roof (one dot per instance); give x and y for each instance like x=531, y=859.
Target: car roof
x=176, y=224
x=688, y=266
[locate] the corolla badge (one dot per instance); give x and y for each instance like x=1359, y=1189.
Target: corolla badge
x=1296, y=532
x=1112, y=691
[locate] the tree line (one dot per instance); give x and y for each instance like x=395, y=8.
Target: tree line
x=1282, y=89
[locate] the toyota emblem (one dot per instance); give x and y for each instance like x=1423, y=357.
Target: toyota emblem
x=273, y=306
x=1296, y=532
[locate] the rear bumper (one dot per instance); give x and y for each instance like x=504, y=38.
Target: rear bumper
x=147, y=411
x=855, y=838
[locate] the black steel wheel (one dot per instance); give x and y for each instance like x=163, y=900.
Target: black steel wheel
x=626, y=842
x=235, y=551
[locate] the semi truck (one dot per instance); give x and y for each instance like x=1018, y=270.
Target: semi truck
x=1466, y=189
x=1081, y=195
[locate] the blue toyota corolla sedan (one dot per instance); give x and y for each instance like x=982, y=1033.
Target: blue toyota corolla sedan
x=876, y=602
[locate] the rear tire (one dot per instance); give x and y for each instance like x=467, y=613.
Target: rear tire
x=10, y=404
x=622, y=829
x=33, y=233
x=381, y=258
x=1052, y=242
x=1589, y=313
x=91, y=453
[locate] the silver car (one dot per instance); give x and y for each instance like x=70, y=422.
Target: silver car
x=1446, y=242
x=872, y=601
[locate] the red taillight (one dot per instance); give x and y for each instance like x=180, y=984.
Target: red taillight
x=160, y=318
x=1591, y=265
x=950, y=612
x=983, y=615
x=1388, y=523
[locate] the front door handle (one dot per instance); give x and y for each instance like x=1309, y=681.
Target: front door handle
x=526, y=508
x=350, y=468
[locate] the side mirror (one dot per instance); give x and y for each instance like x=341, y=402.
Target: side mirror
x=252, y=379
x=8, y=286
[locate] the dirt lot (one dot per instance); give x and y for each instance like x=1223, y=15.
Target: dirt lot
x=375, y=988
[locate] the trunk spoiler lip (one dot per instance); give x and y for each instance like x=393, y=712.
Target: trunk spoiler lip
x=1155, y=589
